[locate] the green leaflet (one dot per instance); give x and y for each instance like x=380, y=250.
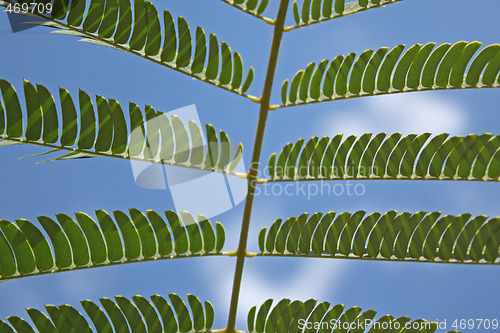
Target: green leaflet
x=185, y=320
x=377, y=236
x=200, y=53
x=48, y=106
x=70, y=120
x=237, y=157
x=146, y=233
x=94, y=16
x=340, y=85
x=137, y=130
x=96, y=314
x=179, y=232
x=76, y=12
x=279, y=169
x=383, y=71
x=39, y=245
x=227, y=65
x=105, y=133
x=387, y=67
x=237, y=71
x=294, y=235
x=357, y=73
x=248, y=80
x=86, y=242
x=296, y=14
x=99, y=128
x=24, y=255
x=182, y=147
x=221, y=237
x=307, y=232
x=271, y=166
x=213, y=58
x=280, y=310
x=131, y=313
x=391, y=157
x=289, y=170
x=87, y=122
x=13, y=126
x=120, y=132
x=137, y=313
x=225, y=151
x=331, y=73
x=170, y=39
x=60, y=243
x=330, y=152
x=111, y=22
x=59, y=9
x=403, y=66
x=305, y=157
x=124, y=23
x=212, y=147
x=41, y=321
x=34, y=112
x=153, y=42
x=315, y=87
x=488, y=54
x=147, y=310
x=167, y=137
x=208, y=232
x=193, y=231
x=354, y=160
x=369, y=78
x=7, y=260
x=77, y=240
x=113, y=311
x=185, y=44
x=286, y=316
x=140, y=31
x=197, y=154
x=168, y=317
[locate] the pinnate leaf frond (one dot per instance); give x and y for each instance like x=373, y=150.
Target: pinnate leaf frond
x=119, y=315
x=419, y=237
x=312, y=316
x=99, y=128
x=382, y=156
x=137, y=28
x=419, y=68
x=315, y=11
x=109, y=239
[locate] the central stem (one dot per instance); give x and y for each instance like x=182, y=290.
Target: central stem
x=254, y=166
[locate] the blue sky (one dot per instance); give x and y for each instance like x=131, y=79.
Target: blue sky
x=430, y=291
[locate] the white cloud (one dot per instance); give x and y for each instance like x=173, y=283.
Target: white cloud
x=309, y=278
x=312, y=279
x=406, y=113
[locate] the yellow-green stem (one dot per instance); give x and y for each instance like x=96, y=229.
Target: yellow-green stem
x=252, y=174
